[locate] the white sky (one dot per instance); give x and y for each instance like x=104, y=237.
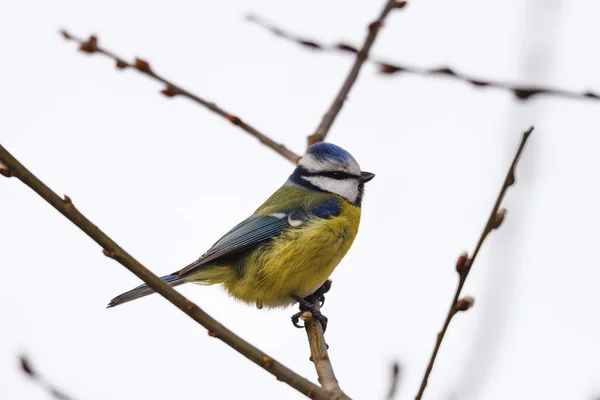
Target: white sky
x=165, y=179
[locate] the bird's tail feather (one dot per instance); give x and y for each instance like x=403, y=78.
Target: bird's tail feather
x=144, y=290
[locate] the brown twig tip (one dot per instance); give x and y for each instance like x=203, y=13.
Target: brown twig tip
x=108, y=253
x=401, y=4
x=464, y=304
x=65, y=34
x=498, y=218
x=90, y=45
x=267, y=362
x=394, y=383
x=26, y=366
x=462, y=263
x=142, y=65
x=170, y=91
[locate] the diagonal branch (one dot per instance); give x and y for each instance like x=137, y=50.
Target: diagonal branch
x=464, y=263
x=361, y=56
x=90, y=46
x=9, y=166
x=521, y=92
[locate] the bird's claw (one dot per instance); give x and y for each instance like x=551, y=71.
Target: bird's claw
x=316, y=314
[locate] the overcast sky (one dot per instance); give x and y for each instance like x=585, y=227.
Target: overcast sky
x=166, y=178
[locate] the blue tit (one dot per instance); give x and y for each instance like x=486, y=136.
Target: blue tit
x=288, y=248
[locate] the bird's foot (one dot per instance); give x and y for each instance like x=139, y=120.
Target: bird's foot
x=306, y=304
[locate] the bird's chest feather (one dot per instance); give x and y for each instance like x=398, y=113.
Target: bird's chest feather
x=301, y=259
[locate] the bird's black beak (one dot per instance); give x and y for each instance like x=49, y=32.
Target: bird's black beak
x=366, y=176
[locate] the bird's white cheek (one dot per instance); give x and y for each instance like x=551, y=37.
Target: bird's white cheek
x=347, y=188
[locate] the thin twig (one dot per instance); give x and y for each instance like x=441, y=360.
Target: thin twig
x=464, y=263
x=32, y=373
x=90, y=46
x=65, y=206
x=374, y=27
x=521, y=92
x=395, y=381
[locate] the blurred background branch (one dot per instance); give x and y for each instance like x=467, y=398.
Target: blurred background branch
x=34, y=375
x=520, y=91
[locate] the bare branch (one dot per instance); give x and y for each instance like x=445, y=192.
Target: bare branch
x=90, y=46
x=464, y=263
x=319, y=355
x=65, y=206
x=521, y=92
x=374, y=27
x=28, y=370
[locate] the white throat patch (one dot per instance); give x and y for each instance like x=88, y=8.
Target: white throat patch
x=347, y=188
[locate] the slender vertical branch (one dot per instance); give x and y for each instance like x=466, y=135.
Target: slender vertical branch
x=464, y=263
x=91, y=46
x=374, y=27
x=12, y=167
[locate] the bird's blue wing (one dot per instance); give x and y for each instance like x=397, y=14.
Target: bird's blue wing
x=257, y=229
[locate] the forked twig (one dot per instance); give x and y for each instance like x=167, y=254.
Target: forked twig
x=521, y=92
x=91, y=46
x=12, y=167
x=464, y=262
x=362, y=55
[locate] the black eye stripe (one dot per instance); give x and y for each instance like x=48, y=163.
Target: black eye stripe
x=338, y=175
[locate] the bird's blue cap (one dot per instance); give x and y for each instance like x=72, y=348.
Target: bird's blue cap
x=329, y=151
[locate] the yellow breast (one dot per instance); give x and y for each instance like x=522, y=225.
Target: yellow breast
x=299, y=261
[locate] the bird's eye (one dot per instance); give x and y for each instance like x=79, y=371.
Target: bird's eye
x=338, y=175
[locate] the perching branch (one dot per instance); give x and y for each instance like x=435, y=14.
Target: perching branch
x=28, y=370
x=11, y=167
x=90, y=46
x=521, y=92
x=464, y=263
x=362, y=55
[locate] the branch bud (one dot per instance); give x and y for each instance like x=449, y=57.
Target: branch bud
x=108, y=253
x=498, y=218
x=400, y=4
x=388, y=69
x=465, y=303
x=170, y=91
x=142, y=65
x=120, y=64
x=233, y=119
x=90, y=45
x=374, y=26
x=346, y=47
x=462, y=263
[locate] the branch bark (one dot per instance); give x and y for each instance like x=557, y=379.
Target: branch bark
x=464, y=263
x=323, y=129
x=11, y=167
x=91, y=46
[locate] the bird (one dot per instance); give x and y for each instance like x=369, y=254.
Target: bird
x=287, y=249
